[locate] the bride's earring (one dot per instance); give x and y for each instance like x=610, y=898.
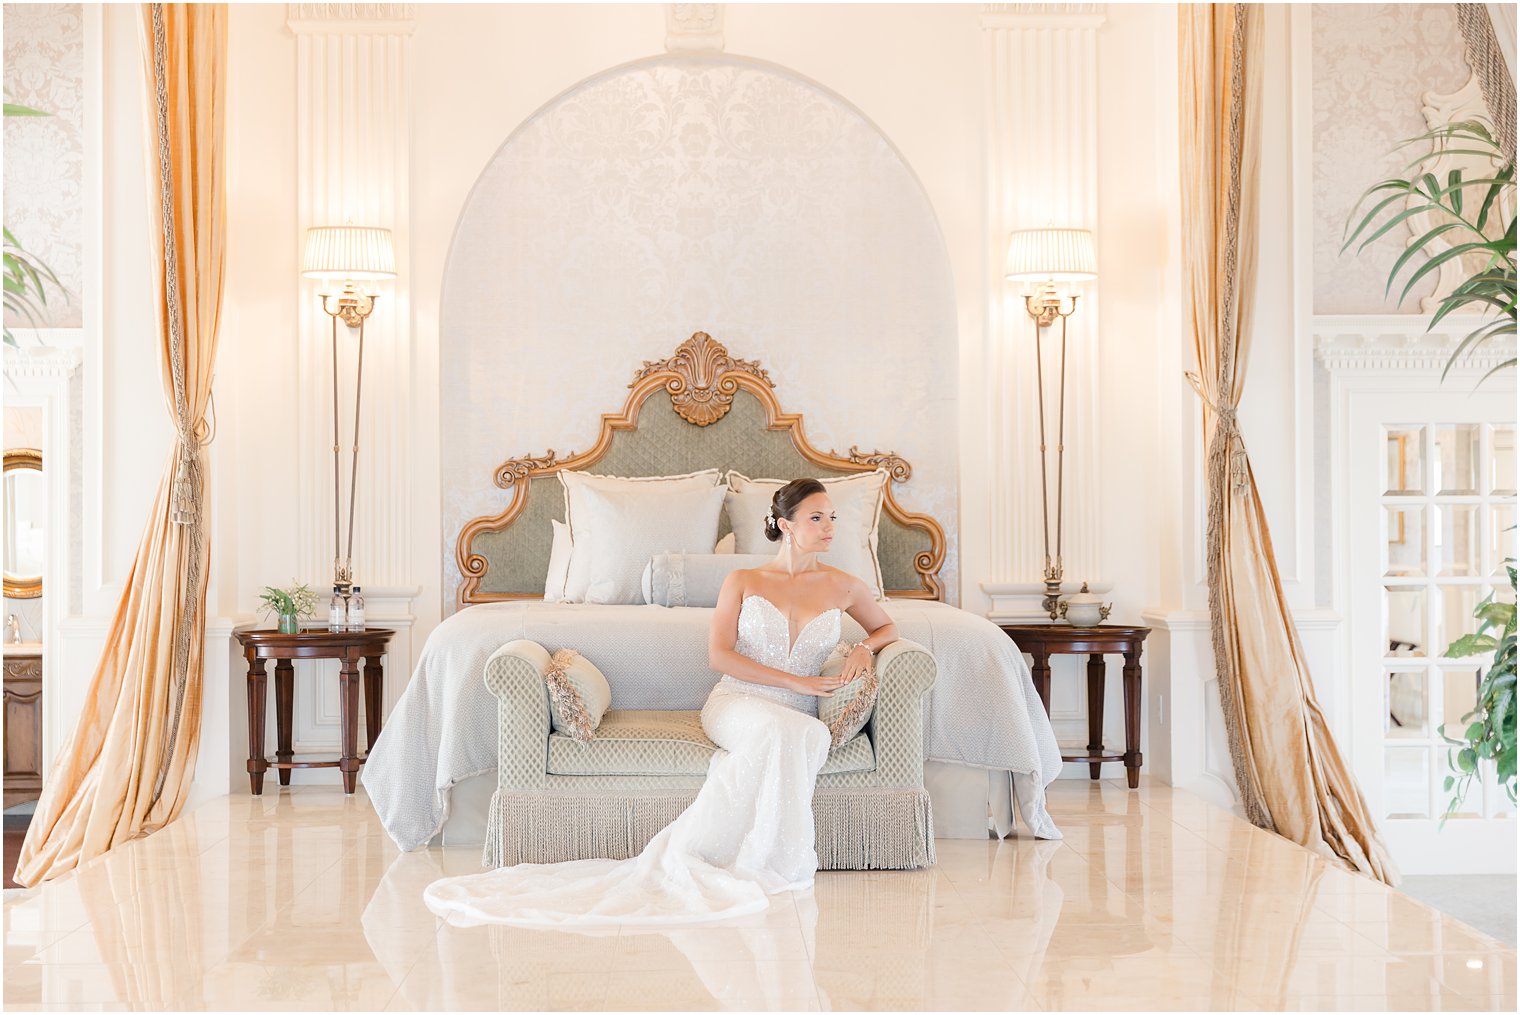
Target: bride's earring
x=788, y=539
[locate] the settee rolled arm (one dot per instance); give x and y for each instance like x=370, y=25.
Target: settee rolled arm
x=522, y=715
x=905, y=670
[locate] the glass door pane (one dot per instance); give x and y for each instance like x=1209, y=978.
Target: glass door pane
x=1408, y=712
x=1404, y=461
x=1457, y=465
x=1456, y=539
x=1404, y=610
x=1404, y=540
x=1501, y=460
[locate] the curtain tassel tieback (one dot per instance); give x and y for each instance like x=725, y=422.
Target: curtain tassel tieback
x=185, y=504
x=1228, y=428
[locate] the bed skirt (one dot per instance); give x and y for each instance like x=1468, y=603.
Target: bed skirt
x=854, y=829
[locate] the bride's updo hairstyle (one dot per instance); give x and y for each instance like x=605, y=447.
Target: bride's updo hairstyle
x=785, y=503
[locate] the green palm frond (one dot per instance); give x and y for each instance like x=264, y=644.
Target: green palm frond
x=1464, y=212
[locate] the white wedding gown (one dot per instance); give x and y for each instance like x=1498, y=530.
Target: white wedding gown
x=748, y=834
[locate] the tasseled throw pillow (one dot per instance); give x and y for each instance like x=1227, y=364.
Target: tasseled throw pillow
x=579, y=694
x=849, y=709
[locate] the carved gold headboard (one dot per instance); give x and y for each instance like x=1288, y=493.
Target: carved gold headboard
x=721, y=413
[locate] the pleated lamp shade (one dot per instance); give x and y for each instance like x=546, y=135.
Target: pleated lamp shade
x=1061, y=255
x=348, y=252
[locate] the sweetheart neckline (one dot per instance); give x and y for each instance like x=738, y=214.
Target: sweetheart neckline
x=816, y=618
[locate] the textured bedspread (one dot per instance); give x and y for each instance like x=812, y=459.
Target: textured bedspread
x=983, y=710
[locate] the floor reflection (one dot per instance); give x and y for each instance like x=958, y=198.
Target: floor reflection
x=297, y=900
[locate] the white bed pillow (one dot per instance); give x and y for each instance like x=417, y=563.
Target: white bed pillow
x=693, y=579
x=616, y=534
x=857, y=506
x=559, y=562
x=580, y=485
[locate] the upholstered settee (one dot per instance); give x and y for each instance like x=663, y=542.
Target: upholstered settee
x=561, y=799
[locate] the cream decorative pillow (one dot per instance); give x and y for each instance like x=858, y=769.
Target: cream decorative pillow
x=857, y=505
x=693, y=579
x=848, y=710
x=615, y=526
x=559, y=565
x=579, y=694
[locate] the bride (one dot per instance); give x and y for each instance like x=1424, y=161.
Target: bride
x=749, y=833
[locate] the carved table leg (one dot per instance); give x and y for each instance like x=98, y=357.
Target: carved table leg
x=348, y=717
x=257, y=690
x=374, y=684
x=1040, y=671
x=284, y=698
x=1096, y=668
x=1132, y=758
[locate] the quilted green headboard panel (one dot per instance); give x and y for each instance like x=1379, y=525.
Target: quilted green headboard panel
x=700, y=409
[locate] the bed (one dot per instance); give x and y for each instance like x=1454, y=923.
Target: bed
x=988, y=744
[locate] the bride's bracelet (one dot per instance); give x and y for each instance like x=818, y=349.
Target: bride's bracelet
x=851, y=646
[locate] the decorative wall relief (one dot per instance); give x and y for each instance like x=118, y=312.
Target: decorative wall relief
x=696, y=192
x=1440, y=109
x=1373, y=66
x=44, y=156
x=693, y=27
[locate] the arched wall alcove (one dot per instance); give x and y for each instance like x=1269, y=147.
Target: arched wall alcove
x=692, y=193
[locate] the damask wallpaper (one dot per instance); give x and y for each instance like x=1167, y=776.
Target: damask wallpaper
x=1372, y=64
x=696, y=193
x=44, y=156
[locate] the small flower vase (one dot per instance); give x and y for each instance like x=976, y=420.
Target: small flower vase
x=290, y=623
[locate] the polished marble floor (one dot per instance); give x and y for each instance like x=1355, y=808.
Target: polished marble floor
x=1155, y=900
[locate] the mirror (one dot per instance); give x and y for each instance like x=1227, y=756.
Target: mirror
x=25, y=521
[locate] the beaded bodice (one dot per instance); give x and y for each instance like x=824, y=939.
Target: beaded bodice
x=765, y=636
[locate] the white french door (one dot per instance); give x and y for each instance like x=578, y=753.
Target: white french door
x=1431, y=517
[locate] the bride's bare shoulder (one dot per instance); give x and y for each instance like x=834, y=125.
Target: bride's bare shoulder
x=848, y=586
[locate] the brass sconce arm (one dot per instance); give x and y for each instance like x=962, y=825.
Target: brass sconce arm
x=349, y=306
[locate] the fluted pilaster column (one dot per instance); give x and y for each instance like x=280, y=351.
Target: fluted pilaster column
x=1040, y=79
x=352, y=150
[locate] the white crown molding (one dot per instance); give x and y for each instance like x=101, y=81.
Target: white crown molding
x=41, y=362
x=694, y=27
x=1381, y=342
x=354, y=19
x=1042, y=15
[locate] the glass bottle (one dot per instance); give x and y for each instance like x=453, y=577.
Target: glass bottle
x=337, y=613
x=356, y=610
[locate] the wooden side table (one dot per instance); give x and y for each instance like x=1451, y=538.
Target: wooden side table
x=348, y=647
x=1045, y=640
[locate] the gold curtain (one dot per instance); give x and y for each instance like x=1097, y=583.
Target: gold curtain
x=127, y=768
x=1290, y=774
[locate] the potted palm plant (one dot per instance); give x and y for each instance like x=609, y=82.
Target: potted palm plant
x=1474, y=214
x=26, y=275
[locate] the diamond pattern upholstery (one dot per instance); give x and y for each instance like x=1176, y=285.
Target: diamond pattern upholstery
x=638, y=755
x=647, y=742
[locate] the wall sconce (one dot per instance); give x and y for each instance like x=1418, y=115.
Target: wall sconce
x=347, y=254
x=1046, y=257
